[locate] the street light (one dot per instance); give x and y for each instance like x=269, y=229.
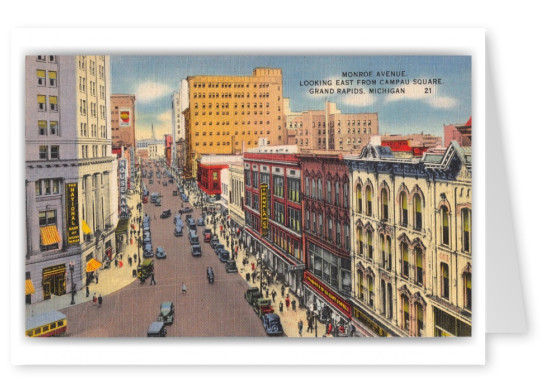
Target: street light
x=72, y=269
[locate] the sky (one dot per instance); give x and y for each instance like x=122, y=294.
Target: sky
x=424, y=105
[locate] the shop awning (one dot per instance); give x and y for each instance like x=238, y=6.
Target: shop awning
x=92, y=265
x=85, y=228
x=29, y=287
x=49, y=235
x=122, y=226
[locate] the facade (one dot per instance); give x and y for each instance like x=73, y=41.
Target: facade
x=123, y=120
x=330, y=129
x=210, y=171
x=156, y=150
x=410, y=145
x=326, y=235
x=168, y=149
x=68, y=172
x=274, y=231
x=177, y=124
x=227, y=114
x=411, y=243
x=179, y=147
x=461, y=133
x=237, y=194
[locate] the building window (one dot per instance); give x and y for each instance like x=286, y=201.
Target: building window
x=320, y=222
x=320, y=190
x=54, y=127
x=345, y=194
x=52, y=76
x=358, y=198
x=314, y=222
x=41, y=77
x=54, y=152
x=404, y=209
x=42, y=128
x=313, y=194
x=247, y=175
x=307, y=220
x=419, y=315
x=467, y=290
x=278, y=186
x=307, y=186
x=38, y=187
x=53, y=103
x=371, y=294
x=347, y=236
x=329, y=229
x=47, y=218
x=370, y=245
x=466, y=223
x=328, y=191
x=279, y=213
x=445, y=282
x=445, y=225
x=405, y=312
x=43, y=152
x=293, y=189
x=337, y=193
x=384, y=205
x=418, y=266
x=255, y=202
x=294, y=219
x=369, y=200
x=405, y=260
x=41, y=99
x=417, y=203
x=360, y=242
x=338, y=233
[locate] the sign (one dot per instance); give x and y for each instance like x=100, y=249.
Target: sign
x=71, y=201
x=264, y=226
x=327, y=293
x=124, y=117
x=300, y=266
x=132, y=165
x=366, y=320
x=122, y=176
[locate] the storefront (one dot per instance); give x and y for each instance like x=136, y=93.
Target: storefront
x=54, y=281
x=447, y=325
x=367, y=325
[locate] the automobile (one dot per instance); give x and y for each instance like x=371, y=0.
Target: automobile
x=194, y=239
x=210, y=275
x=147, y=237
x=191, y=233
x=187, y=209
x=192, y=225
x=207, y=237
x=146, y=226
x=207, y=231
x=146, y=219
x=223, y=255
x=219, y=247
x=185, y=198
x=166, y=214
x=196, y=250
x=231, y=267
x=148, y=250
x=145, y=269
x=178, y=231
x=252, y=294
x=272, y=324
x=171, y=180
x=144, y=199
x=160, y=253
x=166, y=312
x=158, y=203
x=156, y=329
x=151, y=181
x=263, y=306
x=188, y=217
x=201, y=222
x=164, y=183
x=214, y=242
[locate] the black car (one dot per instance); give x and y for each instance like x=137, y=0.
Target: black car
x=196, y=250
x=187, y=209
x=166, y=312
x=231, y=267
x=214, y=242
x=166, y=214
x=272, y=324
x=210, y=275
x=224, y=255
x=219, y=247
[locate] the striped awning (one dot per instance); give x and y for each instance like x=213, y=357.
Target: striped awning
x=29, y=287
x=85, y=228
x=49, y=235
x=92, y=265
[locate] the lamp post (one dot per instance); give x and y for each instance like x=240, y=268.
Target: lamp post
x=72, y=269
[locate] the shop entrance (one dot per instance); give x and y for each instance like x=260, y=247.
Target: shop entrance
x=53, y=281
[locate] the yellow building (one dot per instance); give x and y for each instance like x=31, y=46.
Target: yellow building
x=228, y=114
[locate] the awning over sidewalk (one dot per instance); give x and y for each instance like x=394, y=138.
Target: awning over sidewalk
x=85, y=228
x=122, y=226
x=92, y=265
x=29, y=287
x=49, y=235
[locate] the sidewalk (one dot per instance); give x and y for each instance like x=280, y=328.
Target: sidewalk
x=109, y=280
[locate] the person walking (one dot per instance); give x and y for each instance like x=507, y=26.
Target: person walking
x=87, y=291
x=300, y=325
x=310, y=328
x=253, y=276
x=94, y=298
x=100, y=300
x=97, y=276
x=273, y=295
x=294, y=304
x=153, y=282
x=267, y=293
x=282, y=290
x=287, y=302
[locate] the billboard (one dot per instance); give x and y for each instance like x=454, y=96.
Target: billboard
x=264, y=227
x=71, y=198
x=125, y=117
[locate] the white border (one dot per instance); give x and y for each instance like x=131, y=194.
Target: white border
x=247, y=351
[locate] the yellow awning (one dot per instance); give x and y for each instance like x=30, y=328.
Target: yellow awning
x=92, y=265
x=29, y=287
x=85, y=228
x=49, y=235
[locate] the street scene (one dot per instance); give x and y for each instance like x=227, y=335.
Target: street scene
x=248, y=196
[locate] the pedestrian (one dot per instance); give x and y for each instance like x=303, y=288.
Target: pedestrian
x=282, y=290
x=253, y=276
x=300, y=325
x=310, y=328
x=273, y=295
x=94, y=298
x=267, y=293
x=252, y=266
x=352, y=330
x=153, y=282
x=129, y=261
x=294, y=304
x=280, y=306
x=87, y=291
x=329, y=329
x=135, y=257
x=97, y=276
x=287, y=302
x=100, y=300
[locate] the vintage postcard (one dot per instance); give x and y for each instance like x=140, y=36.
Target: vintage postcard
x=248, y=196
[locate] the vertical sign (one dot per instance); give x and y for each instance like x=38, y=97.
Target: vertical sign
x=122, y=176
x=71, y=201
x=132, y=166
x=264, y=209
x=124, y=117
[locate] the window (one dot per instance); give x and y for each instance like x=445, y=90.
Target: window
x=307, y=186
x=467, y=290
x=360, y=243
x=404, y=208
x=444, y=282
x=54, y=127
x=52, y=76
x=247, y=175
x=42, y=128
x=370, y=245
x=445, y=225
x=337, y=193
x=53, y=103
x=418, y=212
x=294, y=219
x=328, y=187
x=41, y=77
x=384, y=205
x=466, y=223
x=41, y=99
x=345, y=194
x=293, y=189
x=369, y=200
x=358, y=198
x=54, y=152
x=347, y=236
x=307, y=220
x=405, y=260
x=314, y=222
x=320, y=222
x=255, y=202
x=405, y=312
x=47, y=218
x=255, y=179
x=278, y=186
x=43, y=152
x=313, y=194
x=371, y=295
x=279, y=213
x=329, y=229
x=419, y=315
x=47, y=187
x=248, y=198
x=38, y=187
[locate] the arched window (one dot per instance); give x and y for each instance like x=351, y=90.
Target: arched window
x=404, y=209
x=404, y=251
x=371, y=294
x=328, y=191
x=384, y=205
x=307, y=186
x=320, y=190
x=337, y=193
x=360, y=284
x=444, y=281
x=370, y=245
x=418, y=207
x=358, y=198
x=466, y=223
x=467, y=290
x=405, y=312
x=418, y=266
x=389, y=254
x=369, y=200
x=420, y=317
x=313, y=194
x=445, y=225
x=345, y=194
x=360, y=242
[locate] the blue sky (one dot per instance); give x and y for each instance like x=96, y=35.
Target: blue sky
x=153, y=79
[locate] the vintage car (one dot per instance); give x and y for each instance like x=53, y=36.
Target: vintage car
x=160, y=253
x=224, y=255
x=252, y=294
x=207, y=231
x=166, y=214
x=210, y=275
x=148, y=250
x=158, y=202
x=231, y=267
x=145, y=269
x=192, y=225
x=214, y=242
x=185, y=198
x=201, y=222
x=144, y=199
x=196, y=250
x=147, y=237
x=166, y=313
x=219, y=247
x=156, y=329
x=178, y=231
x=191, y=233
x=206, y=238
x=263, y=306
x=187, y=209
x=272, y=324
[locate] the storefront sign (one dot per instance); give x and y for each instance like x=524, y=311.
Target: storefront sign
x=122, y=176
x=124, y=117
x=366, y=320
x=264, y=227
x=132, y=165
x=71, y=201
x=327, y=293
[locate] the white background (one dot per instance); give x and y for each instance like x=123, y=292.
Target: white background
x=518, y=57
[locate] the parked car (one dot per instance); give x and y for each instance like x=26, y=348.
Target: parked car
x=263, y=306
x=166, y=313
x=148, y=250
x=144, y=199
x=231, y=267
x=252, y=294
x=160, y=253
x=214, y=242
x=176, y=218
x=210, y=275
x=166, y=214
x=223, y=255
x=178, y=230
x=207, y=231
x=187, y=209
x=206, y=238
x=219, y=247
x=156, y=329
x=201, y=222
x=196, y=250
x=272, y=324
x=147, y=237
x=188, y=217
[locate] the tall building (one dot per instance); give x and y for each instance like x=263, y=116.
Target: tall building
x=69, y=172
x=123, y=120
x=330, y=129
x=177, y=125
x=227, y=114
x=237, y=195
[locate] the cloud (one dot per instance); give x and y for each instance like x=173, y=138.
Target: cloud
x=150, y=91
x=425, y=93
x=162, y=124
x=360, y=100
